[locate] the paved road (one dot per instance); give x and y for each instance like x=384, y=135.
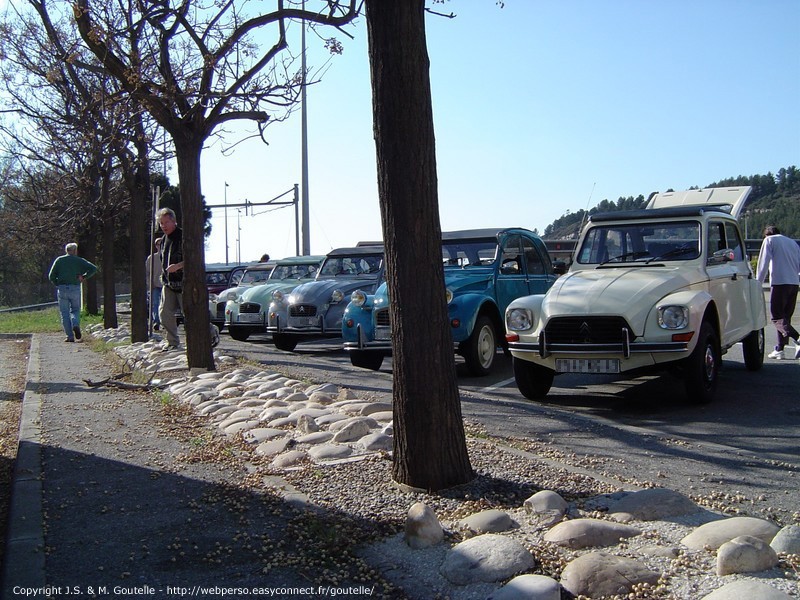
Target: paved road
x=743, y=447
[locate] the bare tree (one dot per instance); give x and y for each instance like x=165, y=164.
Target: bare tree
x=429, y=445
x=194, y=67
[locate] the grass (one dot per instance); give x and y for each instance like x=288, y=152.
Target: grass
x=47, y=320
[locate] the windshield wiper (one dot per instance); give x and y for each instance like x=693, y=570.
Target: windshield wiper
x=685, y=249
x=633, y=255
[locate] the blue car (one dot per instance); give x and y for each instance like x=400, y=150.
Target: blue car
x=314, y=310
x=484, y=270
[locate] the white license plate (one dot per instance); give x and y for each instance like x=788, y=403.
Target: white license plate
x=250, y=318
x=587, y=365
x=383, y=333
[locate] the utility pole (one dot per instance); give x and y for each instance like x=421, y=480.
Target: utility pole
x=226, y=222
x=304, y=150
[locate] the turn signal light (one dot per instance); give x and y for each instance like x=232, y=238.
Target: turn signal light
x=683, y=337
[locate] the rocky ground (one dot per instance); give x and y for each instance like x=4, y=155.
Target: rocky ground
x=349, y=529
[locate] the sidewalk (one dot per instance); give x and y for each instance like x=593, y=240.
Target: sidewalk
x=105, y=502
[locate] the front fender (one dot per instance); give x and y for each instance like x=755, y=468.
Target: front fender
x=463, y=312
x=533, y=304
x=696, y=301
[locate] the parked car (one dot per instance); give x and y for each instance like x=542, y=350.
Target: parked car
x=247, y=313
x=669, y=286
x=484, y=270
x=314, y=310
x=221, y=276
x=253, y=275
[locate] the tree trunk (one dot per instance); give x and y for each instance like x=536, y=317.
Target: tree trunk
x=107, y=244
x=429, y=444
x=195, y=293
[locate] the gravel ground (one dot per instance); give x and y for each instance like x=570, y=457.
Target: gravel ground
x=139, y=491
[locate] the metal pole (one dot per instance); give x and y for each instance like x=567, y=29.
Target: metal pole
x=226, y=222
x=304, y=133
x=296, y=221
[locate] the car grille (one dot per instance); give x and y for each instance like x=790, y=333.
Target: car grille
x=302, y=310
x=221, y=310
x=382, y=318
x=586, y=330
x=249, y=307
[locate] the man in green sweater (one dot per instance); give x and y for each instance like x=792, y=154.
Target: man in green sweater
x=67, y=274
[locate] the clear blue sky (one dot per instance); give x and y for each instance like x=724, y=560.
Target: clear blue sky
x=540, y=108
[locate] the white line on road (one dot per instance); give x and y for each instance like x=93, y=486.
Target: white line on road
x=498, y=385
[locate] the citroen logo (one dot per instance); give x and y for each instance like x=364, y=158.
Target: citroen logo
x=302, y=309
x=585, y=332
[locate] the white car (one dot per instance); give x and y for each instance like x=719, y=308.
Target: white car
x=666, y=286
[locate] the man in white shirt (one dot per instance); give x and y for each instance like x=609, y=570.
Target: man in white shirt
x=780, y=256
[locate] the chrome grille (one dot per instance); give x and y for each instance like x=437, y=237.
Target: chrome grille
x=302, y=310
x=586, y=330
x=249, y=307
x=382, y=318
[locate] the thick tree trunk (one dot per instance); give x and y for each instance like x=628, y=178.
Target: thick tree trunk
x=195, y=293
x=429, y=445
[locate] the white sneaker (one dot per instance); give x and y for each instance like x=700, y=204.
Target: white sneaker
x=797, y=351
x=776, y=354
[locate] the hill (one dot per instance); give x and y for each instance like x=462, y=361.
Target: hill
x=775, y=200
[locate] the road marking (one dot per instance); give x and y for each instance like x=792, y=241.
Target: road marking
x=498, y=385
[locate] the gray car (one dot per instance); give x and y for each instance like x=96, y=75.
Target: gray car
x=314, y=310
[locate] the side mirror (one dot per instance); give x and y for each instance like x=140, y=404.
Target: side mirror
x=559, y=267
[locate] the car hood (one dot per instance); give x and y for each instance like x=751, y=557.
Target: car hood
x=319, y=292
x=263, y=293
x=628, y=291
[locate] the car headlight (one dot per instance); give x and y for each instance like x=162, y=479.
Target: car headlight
x=212, y=298
x=336, y=296
x=277, y=296
x=358, y=298
x=673, y=317
x=448, y=294
x=231, y=296
x=519, y=319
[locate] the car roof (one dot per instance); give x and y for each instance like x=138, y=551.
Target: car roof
x=262, y=266
x=733, y=197
x=302, y=260
x=356, y=251
x=657, y=213
x=488, y=232
x=223, y=268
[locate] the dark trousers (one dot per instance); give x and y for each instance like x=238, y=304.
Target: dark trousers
x=782, y=300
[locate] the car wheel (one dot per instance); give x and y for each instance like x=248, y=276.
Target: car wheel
x=366, y=360
x=284, y=342
x=702, y=367
x=534, y=381
x=753, y=350
x=240, y=335
x=479, y=350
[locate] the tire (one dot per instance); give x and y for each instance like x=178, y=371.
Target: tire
x=753, y=350
x=366, y=360
x=701, y=371
x=534, y=381
x=480, y=349
x=284, y=341
x=240, y=335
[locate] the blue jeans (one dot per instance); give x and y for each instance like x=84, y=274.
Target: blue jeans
x=155, y=303
x=69, y=304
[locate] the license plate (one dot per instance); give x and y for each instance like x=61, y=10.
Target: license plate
x=587, y=365
x=250, y=318
x=383, y=333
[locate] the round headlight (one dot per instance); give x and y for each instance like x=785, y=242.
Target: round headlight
x=231, y=296
x=673, y=317
x=337, y=296
x=277, y=296
x=358, y=298
x=519, y=319
x=448, y=294
x=212, y=297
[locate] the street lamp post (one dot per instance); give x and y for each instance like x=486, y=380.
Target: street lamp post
x=226, y=222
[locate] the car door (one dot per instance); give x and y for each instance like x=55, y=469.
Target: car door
x=511, y=281
x=728, y=284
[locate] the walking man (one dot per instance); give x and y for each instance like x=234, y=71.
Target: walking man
x=780, y=257
x=152, y=269
x=67, y=273
x=171, y=275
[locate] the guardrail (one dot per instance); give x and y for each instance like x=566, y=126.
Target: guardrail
x=43, y=305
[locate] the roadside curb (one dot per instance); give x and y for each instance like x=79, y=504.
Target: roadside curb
x=24, y=552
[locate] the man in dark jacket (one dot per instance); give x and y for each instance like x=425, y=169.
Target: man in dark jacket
x=171, y=275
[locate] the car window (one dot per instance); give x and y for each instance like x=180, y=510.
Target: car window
x=640, y=242
x=352, y=265
x=294, y=271
x=716, y=237
x=533, y=261
x=469, y=253
x=734, y=241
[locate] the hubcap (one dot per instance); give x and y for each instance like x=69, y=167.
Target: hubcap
x=709, y=363
x=486, y=347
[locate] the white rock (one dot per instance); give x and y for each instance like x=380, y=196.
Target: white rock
x=787, y=540
x=330, y=452
x=745, y=554
x=488, y=521
x=422, y=528
x=489, y=557
x=529, y=587
x=652, y=504
x=599, y=574
x=583, y=533
x=547, y=507
x=747, y=590
x=376, y=442
x=716, y=533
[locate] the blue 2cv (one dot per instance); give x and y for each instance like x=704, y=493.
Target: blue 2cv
x=484, y=270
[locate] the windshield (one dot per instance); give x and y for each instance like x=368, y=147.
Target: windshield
x=640, y=243
x=295, y=271
x=251, y=277
x=469, y=253
x=352, y=266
